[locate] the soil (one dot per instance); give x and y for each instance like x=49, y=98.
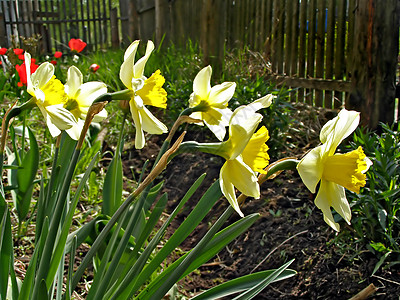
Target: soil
x=289, y=226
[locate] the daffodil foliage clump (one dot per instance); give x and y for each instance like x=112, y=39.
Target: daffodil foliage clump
x=376, y=210
x=127, y=249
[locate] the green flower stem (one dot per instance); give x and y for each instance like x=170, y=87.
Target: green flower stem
x=11, y=113
x=192, y=146
x=159, y=167
x=54, y=225
x=175, y=276
x=277, y=167
x=120, y=95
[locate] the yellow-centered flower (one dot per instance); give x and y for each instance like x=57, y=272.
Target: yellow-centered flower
x=80, y=98
x=212, y=102
x=145, y=91
x=334, y=172
x=245, y=152
x=48, y=94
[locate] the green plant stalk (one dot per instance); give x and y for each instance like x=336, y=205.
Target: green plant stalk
x=126, y=282
x=46, y=198
x=60, y=247
x=120, y=249
x=99, y=240
x=99, y=280
x=143, y=187
x=54, y=225
x=175, y=276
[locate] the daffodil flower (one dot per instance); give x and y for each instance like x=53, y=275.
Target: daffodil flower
x=80, y=98
x=334, y=172
x=145, y=91
x=48, y=94
x=212, y=102
x=244, y=151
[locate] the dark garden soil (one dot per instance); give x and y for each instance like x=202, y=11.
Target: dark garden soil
x=289, y=226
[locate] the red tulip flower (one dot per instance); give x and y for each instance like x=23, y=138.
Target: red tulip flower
x=21, y=69
x=57, y=54
x=76, y=45
x=54, y=62
x=21, y=57
x=18, y=51
x=94, y=67
x=3, y=51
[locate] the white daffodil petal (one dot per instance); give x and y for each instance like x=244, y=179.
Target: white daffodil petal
x=228, y=189
x=150, y=123
x=29, y=85
x=243, y=177
x=90, y=91
x=338, y=199
x=322, y=203
x=137, y=120
x=60, y=117
x=39, y=95
x=331, y=194
x=138, y=68
x=235, y=173
x=131, y=49
x=198, y=116
x=54, y=131
x=219, y=130
x=220, y=94
x=333, y=133
x=42, y=75
x=310, y=168
x=74, y=81
x=201, y=83
x=126, y=71
x=241, y=129
x=263, y=102
x=75, y=131
x=100, y=116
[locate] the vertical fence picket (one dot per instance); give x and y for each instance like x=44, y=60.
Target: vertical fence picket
x=340, y=49
x=311, y=48
x=350, y=37
x=302, y=47
x=288, y=37
x=295, y=46
x=268, y=30
x=319, y=59
x=330, y=46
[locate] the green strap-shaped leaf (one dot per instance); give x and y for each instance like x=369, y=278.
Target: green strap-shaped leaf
x=30, y=274
x=241, y=284
x=68, y=288
x=129, y=282
x=112, y=188
x=26, y=176
x=255, y=290
x=193, y=219
x=61, y=242
x=5, y=248
x=203, y=252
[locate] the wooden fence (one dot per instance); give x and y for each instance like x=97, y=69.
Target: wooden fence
x=57, y=21
x=320, y=48
x=312, y=45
